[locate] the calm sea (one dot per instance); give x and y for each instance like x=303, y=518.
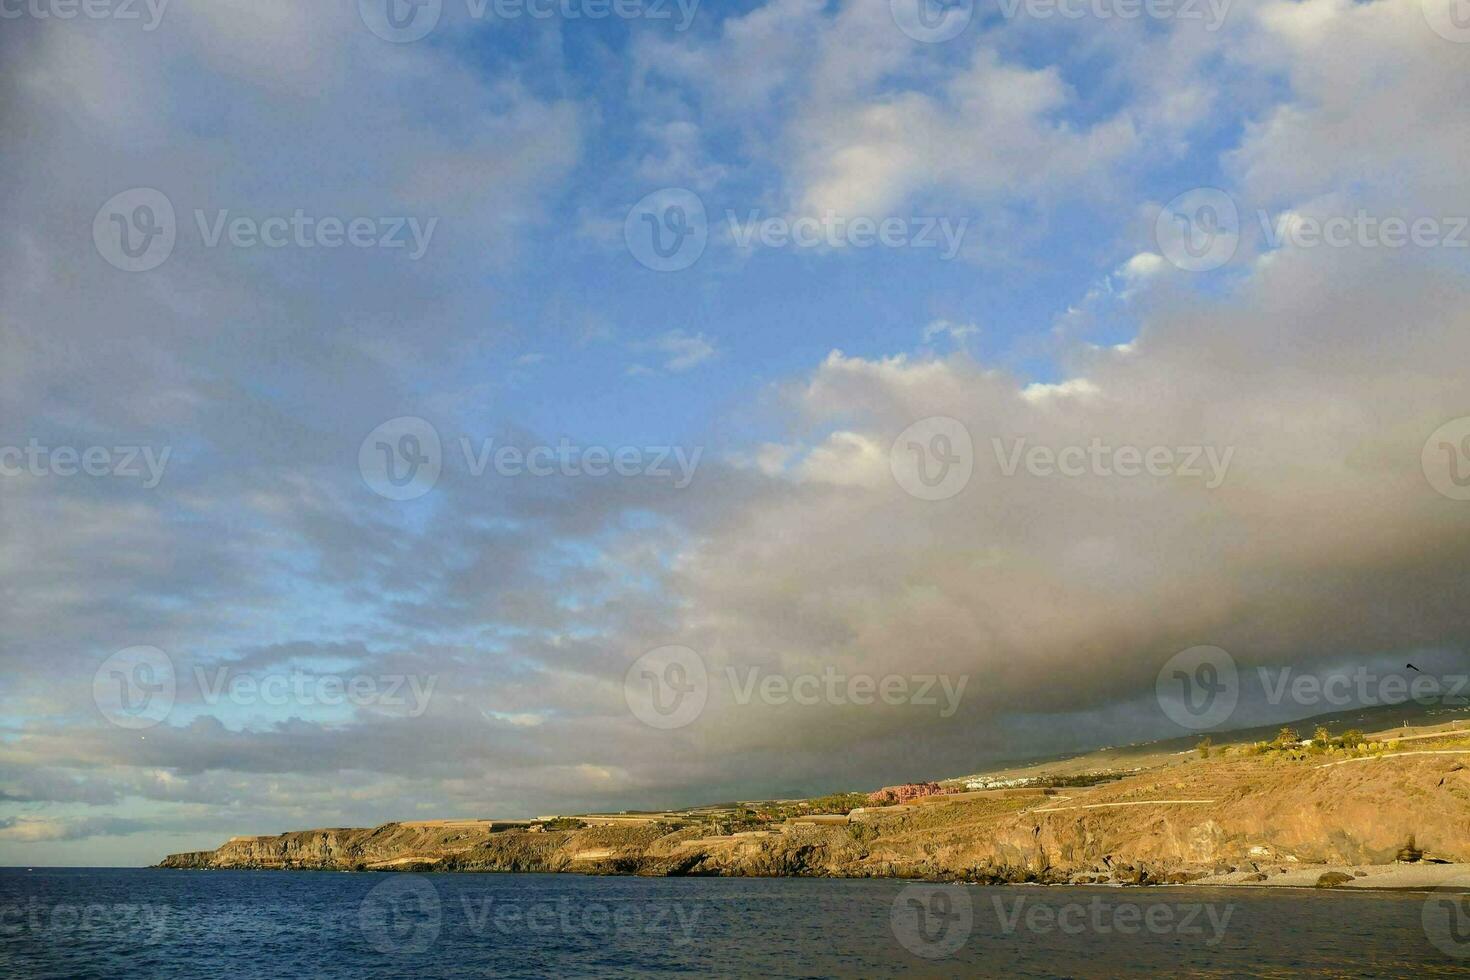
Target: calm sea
x=274, y=925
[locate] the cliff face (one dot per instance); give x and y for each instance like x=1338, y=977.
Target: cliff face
x=1168, y=824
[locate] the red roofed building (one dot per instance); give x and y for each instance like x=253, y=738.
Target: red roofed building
x=904, y=793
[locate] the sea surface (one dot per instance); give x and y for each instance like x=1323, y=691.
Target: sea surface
x=273, y=925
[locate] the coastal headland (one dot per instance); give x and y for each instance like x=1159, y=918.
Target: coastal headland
x=1387, y=810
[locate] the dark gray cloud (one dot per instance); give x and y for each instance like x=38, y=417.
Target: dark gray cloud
x=262, y=551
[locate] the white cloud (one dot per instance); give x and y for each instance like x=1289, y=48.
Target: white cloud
x=680, y=350
x=1142, y=266
x=958, y=333
x=1038, y=393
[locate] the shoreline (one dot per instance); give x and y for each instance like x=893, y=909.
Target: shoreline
x=1366, y=878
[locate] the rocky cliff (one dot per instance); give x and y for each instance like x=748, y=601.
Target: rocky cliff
x=1168, y=824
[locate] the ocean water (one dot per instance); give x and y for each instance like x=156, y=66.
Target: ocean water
x=246, y=925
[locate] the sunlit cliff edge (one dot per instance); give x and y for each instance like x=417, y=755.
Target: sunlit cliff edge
x=1229, y=814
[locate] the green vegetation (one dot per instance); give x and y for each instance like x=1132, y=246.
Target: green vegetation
x=841, y=803
x=1288, y=746
x=564, y=823
x=734, y=818
x=1204, y=747
x=837, y=803
x=1081, y=779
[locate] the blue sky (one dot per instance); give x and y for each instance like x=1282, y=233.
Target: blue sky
x=793, y=381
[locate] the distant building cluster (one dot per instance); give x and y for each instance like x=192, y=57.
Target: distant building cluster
x=902, y=794
x=989, y=782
